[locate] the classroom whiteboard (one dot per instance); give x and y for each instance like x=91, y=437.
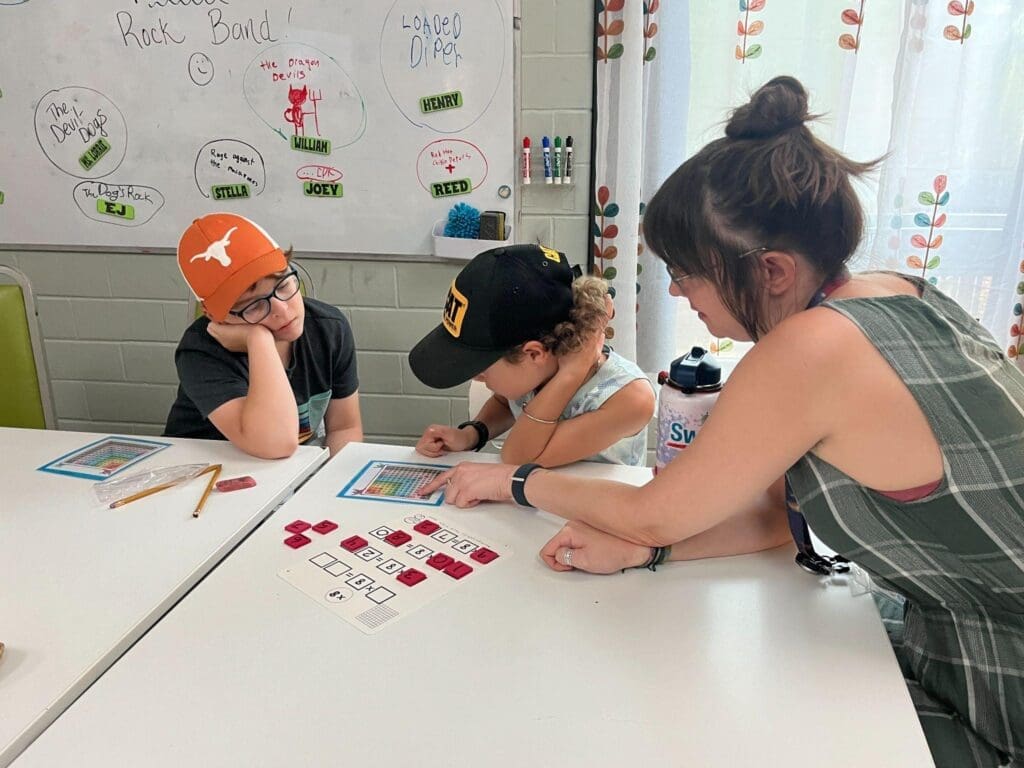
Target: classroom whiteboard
x=342, y=126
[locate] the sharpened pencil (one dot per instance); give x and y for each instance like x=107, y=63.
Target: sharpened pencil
x=141, y=495
x=215, y=470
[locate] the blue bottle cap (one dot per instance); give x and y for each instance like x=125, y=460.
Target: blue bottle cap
x=696, y=371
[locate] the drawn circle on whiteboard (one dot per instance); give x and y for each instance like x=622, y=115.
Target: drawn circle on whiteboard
x=226, y=162
x=124, y=205
x=299, y=90
x=200, y=68
x=81, y=131
x=451, y=160
x=338, y=595
x=443, y=70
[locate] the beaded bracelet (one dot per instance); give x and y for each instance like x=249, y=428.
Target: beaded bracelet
x=658, y=556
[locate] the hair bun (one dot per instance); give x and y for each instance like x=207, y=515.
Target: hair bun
x=777, y=106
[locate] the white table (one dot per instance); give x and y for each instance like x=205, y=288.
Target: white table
x=737, y=661
x=79, y=583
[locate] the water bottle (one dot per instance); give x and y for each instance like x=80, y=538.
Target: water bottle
x=688, y=390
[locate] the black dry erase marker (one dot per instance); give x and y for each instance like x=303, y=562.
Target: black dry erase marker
x=567, y=168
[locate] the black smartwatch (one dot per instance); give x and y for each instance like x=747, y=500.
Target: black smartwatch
x=519, y=483
x=483, y=433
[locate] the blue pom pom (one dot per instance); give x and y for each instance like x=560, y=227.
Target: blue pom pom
x=463, y=221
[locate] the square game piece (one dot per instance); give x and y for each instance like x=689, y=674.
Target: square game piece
x=440, y=561
x=297, y=540
x=411, y=577
x=426, y=527
x=324, y=526
x=398, y=538
x=354, y=543
x=483, y=555
x=458, y=569
x=297, y=527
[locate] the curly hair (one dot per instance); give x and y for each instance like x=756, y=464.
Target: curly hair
x=587, y=317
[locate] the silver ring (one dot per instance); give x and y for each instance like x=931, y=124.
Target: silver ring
x=567, y=557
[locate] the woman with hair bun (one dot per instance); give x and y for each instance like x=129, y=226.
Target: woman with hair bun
x=895, y=417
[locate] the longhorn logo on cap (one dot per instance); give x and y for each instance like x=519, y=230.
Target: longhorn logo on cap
x=217, y=250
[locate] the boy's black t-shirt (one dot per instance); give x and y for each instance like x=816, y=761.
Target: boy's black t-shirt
x=323, y=368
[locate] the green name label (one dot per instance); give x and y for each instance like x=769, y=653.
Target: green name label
x=229, y=191
x=94, y=153
x=322, y=189
x=441, y=101
x=309, y=144
x=120, y=210
x=450, y=188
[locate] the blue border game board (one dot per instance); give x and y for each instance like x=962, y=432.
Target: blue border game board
x=103, y=458
x=396, y=482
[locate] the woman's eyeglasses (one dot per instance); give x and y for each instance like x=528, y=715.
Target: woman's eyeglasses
x=677, y=276
x=257, y=309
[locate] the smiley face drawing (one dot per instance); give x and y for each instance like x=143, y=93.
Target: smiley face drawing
x=200, y=69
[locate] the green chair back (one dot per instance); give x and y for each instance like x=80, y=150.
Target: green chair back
x=25, y=399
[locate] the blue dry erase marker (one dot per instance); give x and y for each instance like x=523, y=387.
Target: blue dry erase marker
x=567, y=172
x=546, y=149
x=556, y=166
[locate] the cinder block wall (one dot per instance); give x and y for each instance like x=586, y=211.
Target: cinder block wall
x=111, y=321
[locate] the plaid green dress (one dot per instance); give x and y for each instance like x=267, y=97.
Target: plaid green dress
x=954, y=559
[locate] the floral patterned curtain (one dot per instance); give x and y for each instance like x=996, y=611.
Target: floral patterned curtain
x=936, y=87
x=642, y=101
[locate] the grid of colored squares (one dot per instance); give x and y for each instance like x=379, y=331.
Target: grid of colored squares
x=110, y=456
x=397, y=481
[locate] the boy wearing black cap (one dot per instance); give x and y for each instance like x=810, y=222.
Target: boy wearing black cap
x=516, y=320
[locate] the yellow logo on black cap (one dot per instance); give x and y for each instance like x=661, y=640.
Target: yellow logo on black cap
x=551, y=255
x=454, y=311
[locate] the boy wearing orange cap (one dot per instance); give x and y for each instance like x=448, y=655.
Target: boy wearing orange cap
x=265, y=368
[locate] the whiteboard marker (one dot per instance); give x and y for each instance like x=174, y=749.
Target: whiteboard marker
x=556, y=166
x=567, y=173
x=546, y=150
x=525, y=162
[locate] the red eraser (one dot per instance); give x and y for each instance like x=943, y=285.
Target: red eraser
x=235, y=483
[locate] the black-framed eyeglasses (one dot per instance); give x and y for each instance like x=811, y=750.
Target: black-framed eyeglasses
x=257, y=309
x=677, y=276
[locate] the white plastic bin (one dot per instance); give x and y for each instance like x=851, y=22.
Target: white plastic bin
x=463, y=248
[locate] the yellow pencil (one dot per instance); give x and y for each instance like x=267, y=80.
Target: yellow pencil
x=140, y=495
x=215, y=470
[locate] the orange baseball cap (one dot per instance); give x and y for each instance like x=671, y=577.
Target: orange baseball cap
x=221, y=255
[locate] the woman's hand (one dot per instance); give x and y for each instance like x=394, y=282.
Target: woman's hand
x=578, y=546
x=439, y=439
x=470, y=483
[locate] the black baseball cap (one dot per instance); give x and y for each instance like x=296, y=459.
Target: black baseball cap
x=501, y=299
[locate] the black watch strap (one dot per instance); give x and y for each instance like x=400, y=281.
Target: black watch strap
x=519, y=483
x=483, y=433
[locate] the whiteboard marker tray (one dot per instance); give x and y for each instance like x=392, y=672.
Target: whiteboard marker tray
x=464, y=248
